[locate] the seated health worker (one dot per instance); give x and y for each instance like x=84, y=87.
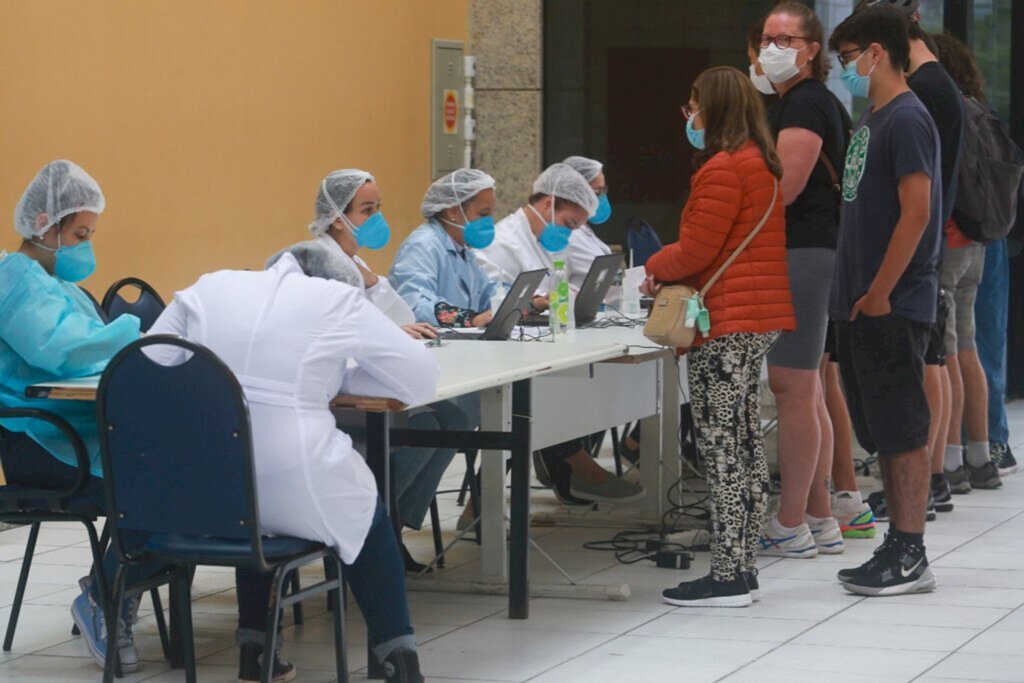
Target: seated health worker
x=294, y=342
x=584, y=244
x=50, y=330
x=434, y=269
x=537, y=235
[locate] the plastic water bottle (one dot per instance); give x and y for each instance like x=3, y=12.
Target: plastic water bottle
x=500, y=292
x=558, y=299
x=631, y=302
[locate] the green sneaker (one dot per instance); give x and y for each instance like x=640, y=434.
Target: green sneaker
x=858, y=523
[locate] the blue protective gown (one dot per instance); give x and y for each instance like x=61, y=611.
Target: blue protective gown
x=49, y=330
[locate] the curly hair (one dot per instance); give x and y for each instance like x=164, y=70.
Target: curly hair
x=959, y=62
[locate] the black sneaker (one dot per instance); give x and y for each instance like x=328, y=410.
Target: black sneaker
x=540, y=470
x=1002, y=456
x=706, y=592
x=959, y=480
x=942, y=497
x=402, y=666
x=878, y=506
x=750, y=578
x=250, y=665
x=869, y=566
x=930, y=508
x=896, y=569
x=984, y=477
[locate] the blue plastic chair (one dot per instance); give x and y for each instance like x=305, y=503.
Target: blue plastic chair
x=177, y=456
x=641, y=242
x=147, y=308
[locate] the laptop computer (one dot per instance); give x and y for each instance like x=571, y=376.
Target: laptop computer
x=599, y=280
x=508, y=314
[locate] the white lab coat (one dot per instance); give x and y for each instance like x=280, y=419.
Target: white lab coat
x=382, y=295
x=584, y=247
x=295, y=342
x=515, y=249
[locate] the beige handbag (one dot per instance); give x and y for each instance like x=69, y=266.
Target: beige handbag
x=678, y=311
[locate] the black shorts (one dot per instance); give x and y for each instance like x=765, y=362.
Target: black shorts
x=936, y=352
x=830, y=342
x=881, y=361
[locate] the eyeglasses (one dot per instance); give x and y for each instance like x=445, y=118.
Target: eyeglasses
x=845, y=57
x=688, y=111
x=782, y=41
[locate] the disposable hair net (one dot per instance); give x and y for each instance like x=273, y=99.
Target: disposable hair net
x=456, y=188
x=316, y=260
x=588, y=168
x=336, y=192
x=60, y=189
x=563, y=181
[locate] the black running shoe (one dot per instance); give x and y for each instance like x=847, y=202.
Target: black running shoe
x=750, y=578
x=941, y=495
x=984, y=477
x=848, y=574
x=896, y=569
x=706, y=592
x=250, y=665
x=1002, y=456
x=402, y=666
x=878, y=506
x=930, y=508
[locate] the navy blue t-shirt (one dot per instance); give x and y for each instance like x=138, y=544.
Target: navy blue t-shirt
x=898, y=140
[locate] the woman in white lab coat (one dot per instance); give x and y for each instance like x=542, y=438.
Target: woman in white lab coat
x=584, y=244
x=294, y=342
x=347, y=217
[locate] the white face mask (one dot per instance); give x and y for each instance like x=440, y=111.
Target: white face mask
x=779, y=65
x=761, y=82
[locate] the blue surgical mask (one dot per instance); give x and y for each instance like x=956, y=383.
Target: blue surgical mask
x=859, y=86
x=696, y=137
x=604, y=210
x=479, y=233
x=73, y=264
x=553, y=238
x=373, y=233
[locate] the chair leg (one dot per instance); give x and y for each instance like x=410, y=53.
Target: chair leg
x=474, y=495
x=616, y=452
x=273, y=622
x=468, y=476
x=184, y=608
x=335, y=572
x=112, y=665
x=435, y=527
x=295, y=586
x=161, y=623
x=19, y=594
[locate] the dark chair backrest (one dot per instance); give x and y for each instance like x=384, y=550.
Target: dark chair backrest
x=177, y=446
x=96, y=304
x=147, y=308
x=15, y=497
x=641, y=242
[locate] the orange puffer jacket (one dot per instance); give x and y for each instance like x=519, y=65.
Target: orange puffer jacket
x=729, y=196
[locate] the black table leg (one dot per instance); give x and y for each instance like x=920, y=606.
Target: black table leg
x=519, y=550
x=377, y=457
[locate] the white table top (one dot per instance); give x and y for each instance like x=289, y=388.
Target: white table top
x=466, y=366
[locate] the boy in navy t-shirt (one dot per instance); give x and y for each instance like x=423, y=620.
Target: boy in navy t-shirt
x=885, y=287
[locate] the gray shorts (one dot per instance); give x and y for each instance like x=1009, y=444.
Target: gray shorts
x=810, y=277
x=960, y=275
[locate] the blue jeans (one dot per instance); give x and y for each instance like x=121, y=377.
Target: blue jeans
x=990, y=315
x=417, y=471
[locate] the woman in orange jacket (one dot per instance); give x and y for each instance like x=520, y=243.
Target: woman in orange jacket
x=749, y=305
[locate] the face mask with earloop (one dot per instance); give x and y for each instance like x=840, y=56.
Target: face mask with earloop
x=374, y=233
x=72, y=264
x=761, y=82
x=859, y=86
x=553, y=237
x=479, y=233
x=779, y=64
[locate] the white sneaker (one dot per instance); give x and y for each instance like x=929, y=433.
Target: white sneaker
x=796, y=543
x=827, y=536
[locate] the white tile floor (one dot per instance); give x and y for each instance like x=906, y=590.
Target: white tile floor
x=971, y=628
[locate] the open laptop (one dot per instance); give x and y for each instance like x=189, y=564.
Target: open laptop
x=508, y=314
x=594, y=289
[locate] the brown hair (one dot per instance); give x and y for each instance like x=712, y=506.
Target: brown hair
x=733, y=113
x=813, y=29
x=754, y=37
x=959, y=61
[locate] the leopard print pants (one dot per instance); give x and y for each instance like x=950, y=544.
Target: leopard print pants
x=724, y=376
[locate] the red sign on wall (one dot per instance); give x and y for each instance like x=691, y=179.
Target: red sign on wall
x=451, y=112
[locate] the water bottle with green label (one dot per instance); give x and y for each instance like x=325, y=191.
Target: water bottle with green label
x=559, y=316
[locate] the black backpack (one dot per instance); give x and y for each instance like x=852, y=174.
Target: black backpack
x=989, y=179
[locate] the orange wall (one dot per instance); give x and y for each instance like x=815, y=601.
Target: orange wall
x=210, y=123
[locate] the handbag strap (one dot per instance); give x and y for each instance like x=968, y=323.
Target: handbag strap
x=743, y=245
